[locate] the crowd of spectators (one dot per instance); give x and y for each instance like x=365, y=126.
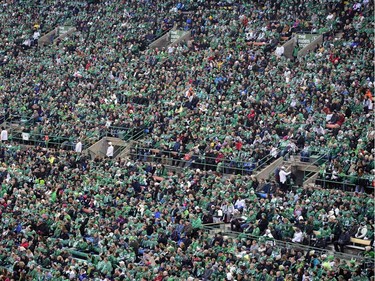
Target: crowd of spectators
x=66, y=217
x=225, y=95
x=217, y=94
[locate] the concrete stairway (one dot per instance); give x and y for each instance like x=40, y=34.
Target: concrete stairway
x=125, y=150
x=59, y=33
x=306, y=172
x=172, y=37
x=99, y=149
x=268, y=171
x=302, y=166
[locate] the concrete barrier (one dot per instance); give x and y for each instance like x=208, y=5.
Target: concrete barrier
x=100, y=147
x=311, y=46
x=166, y=40
x=55, y=34
x=269, y=170
x=289, y=47
x=183, y=38
x=163, y=41
x=48, y=38
x=66, y=34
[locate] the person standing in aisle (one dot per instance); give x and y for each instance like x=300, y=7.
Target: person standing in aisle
x=78, y=147
x=4, y=134
x=283, y=175
x=109, y=153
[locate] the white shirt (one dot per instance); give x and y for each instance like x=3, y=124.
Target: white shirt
x=297, y=237
x=240, y=203
x=27, y=42
x=78, y=147
x=110, y=151
x=36, y=35
x=361, y=232
x=4, y=135
x=287, y=75
x=228, y=209
x=283, y=175
x=273, y=152
x=279, y=51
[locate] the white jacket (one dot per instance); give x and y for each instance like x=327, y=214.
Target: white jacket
x=110, y=151
x=361, y=232
x=4, y=135
x=227, y=209
x=298, y=237
x=78, y=147
x=283, y=175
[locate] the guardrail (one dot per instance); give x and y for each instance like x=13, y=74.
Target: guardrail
x=8, y=117
x=311, y=46
x=49, y=37
x=289, y=47
x=162, y=40
x=60, y=141
x=134, y=137
x=284, y=244
x=43, y=140
x=346, y=182
x=173, y=158
x=316, y=163
x=346, y=185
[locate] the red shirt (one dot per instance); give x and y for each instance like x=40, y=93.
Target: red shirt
x=238, y=145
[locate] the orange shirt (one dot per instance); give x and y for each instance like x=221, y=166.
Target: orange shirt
x=368, y=94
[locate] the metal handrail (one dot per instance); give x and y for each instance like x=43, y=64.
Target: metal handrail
x=179, y=163
x=286, y=244
x=308, y=174
x=316, y=161
x=343, y=183
x=182, y=163
x=262, y=160
x=134, y=137
x=40, y=139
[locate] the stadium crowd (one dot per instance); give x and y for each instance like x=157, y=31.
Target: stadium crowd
x=65, y=216
x=225, y=95
x=217, y=91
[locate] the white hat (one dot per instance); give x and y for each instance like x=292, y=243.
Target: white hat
x=109, y=143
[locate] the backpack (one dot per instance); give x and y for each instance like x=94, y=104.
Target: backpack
x=277, y=176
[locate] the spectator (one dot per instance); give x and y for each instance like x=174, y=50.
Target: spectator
x=344, y=240
x=283, y=178
x=78, y=147
x=110, y=149
x=298, y=236
x=362, y=231
x=4, y=134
